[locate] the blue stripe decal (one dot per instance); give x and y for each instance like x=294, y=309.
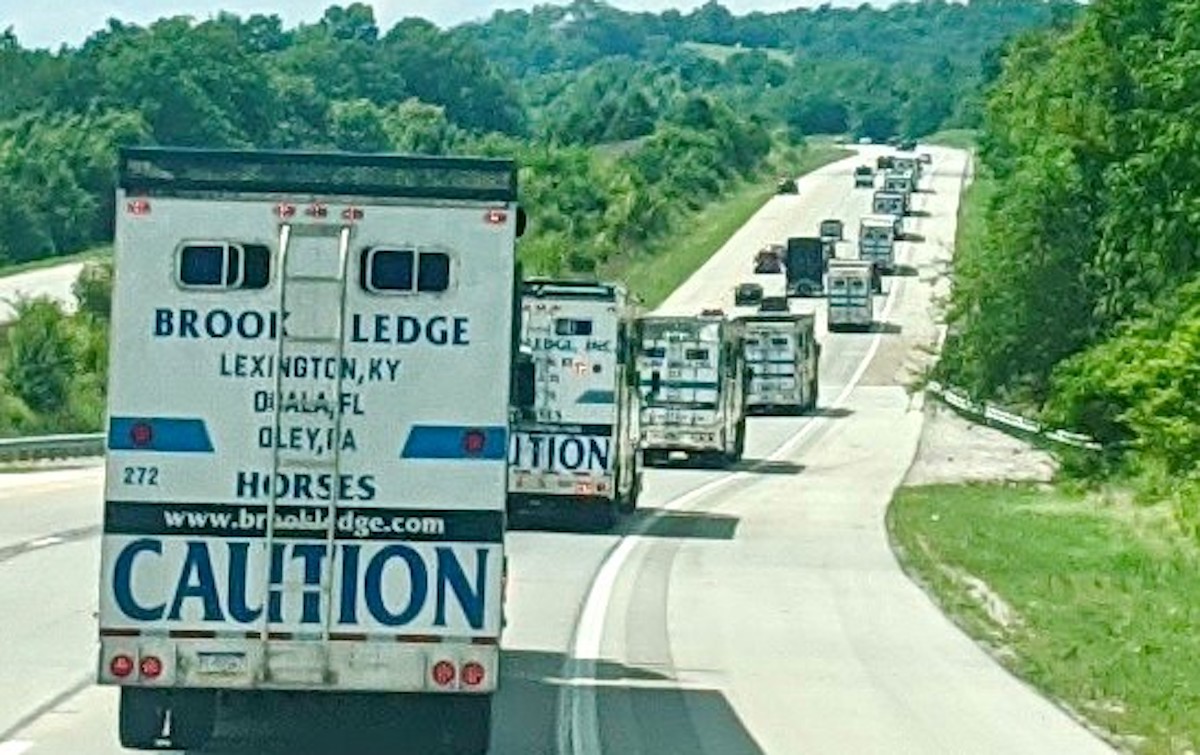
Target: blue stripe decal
x=449, y=442
x=597, y=397
x=164, y=435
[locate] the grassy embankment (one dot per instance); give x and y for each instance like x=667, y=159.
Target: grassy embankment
x=1099, y=597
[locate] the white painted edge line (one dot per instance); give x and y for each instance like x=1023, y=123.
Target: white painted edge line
x=578, y=722
x=42, y=543
x=15, y=747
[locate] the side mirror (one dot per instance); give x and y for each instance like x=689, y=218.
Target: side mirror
x=522, y=221
x=524, y=385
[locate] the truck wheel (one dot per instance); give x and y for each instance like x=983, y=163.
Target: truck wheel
x=628, y=502
x=467, y=724
x=141, y=718
x=814, y=390
x=193, y=715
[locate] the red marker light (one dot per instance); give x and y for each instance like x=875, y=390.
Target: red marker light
x=474, y=442
x=352, y=213
x=285, y=210
x=121, y=666
x=316, y=211
x=496, y=217
x=141, y=434
x=472, y=674
x=138, y=207
x=151, y=667
x=443, y=673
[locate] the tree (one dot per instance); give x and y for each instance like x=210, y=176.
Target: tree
x=358, y=126
x=41, y=355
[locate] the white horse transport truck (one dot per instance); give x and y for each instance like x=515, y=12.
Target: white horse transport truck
x=575, y=431
x=307, y=442
x=693, y=379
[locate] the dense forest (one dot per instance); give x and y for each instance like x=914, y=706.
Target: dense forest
x=1082, y=296
x=624, y=124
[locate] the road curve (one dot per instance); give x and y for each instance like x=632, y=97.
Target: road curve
x=54, y=282
x=753, y=611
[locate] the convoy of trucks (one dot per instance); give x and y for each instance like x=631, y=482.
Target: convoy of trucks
x=329, y=387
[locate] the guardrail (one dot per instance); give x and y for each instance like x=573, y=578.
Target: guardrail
x=1003, y=419
x=52, y=447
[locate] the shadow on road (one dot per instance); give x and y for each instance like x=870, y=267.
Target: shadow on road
x=886, y=327
x=834, y=413
x=691, y=525
x=769, y=466
x=640, y=710
x=904, y=271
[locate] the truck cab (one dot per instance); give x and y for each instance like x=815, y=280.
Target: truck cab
x=864, y=176
x=783, y=357
x=850, y=301
x=692, y=381
x=574, y=439
x=805, y=265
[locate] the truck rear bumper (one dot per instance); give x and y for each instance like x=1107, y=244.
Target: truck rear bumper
x=343, y=665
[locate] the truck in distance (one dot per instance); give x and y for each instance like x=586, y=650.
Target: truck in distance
x=692, y=379
x=805, y=266
x=308, y=419
x=850, y=301
x=575, y=426
x=783, y=357
x=877, y=236
x=747, y=294
x=864, y=176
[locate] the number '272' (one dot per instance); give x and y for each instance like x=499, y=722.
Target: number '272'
x=140, y=475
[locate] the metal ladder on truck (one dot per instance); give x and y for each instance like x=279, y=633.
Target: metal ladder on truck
x=312, y=292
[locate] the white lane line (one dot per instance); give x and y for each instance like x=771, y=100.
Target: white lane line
x=578, y=723
x=41, y=543
x=15, y=747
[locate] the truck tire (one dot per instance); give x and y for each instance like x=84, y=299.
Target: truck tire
x=467, y=727
x=628, y=502
x=141, y=718
x=814, y=389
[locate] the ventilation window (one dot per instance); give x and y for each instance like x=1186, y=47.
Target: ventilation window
x=404, y=271
x=568, y=327
x=433, y=272
x=222, y=265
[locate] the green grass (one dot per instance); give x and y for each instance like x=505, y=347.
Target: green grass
x=722, y=53
x=960, y=138
x=84, y=256
x=657, y=271
x=1106, y=595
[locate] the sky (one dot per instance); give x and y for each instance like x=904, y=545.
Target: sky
x=50, y=25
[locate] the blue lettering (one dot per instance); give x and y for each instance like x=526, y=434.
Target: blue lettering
x=349, y=612
x=164, y=322
x=197, y=581
x=598, y=451
x=312, y=556
x=239, y=568
x=460, y=332
x=123, y=581
x=470, y=600
x=417, y=578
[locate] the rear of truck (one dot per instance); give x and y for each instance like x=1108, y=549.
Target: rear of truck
x=782, y=355
x=691, y=379
x=307, y=440
x=851, y=306
x=805, y=266
x=575, y=444
x=877, y=241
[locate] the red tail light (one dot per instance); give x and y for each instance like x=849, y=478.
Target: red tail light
x=472, y=674
x=121, y=666
x=443, y=673
x=474, y=442
x=151, y=667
